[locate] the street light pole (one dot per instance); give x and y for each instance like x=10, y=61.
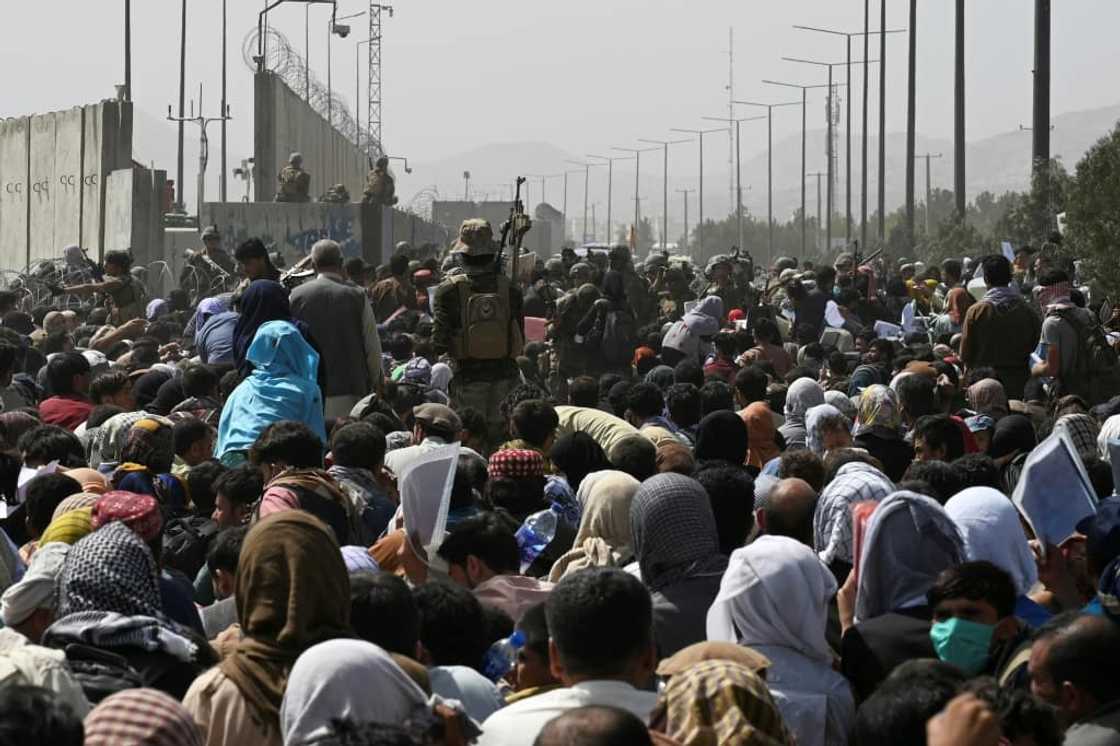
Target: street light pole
x=700, y=201
x=685, y=192
x=637, y=171
x=929, y=190
x=738, y=172
x=911, y=113
x=769, y=167
x=225, y=107
x=882, y=123
x=610, y=186
x=958, y=114
x=128, y=47
x=804, y=102
x=818, y=174
x=586, y=189
x=665, y=184
x=182, y=101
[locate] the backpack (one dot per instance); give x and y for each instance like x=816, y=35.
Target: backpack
x=488, y=331
x=620, y=334
x=185, y=543
x=1096, y=368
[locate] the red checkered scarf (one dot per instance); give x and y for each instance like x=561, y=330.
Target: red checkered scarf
x=139, y=512
x=145, y=716
x=516, y=464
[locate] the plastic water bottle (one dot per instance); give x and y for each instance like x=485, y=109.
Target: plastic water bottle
x=534, y=535
x=502, y=655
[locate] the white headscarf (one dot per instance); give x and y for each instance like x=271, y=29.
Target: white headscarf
x=775, y=592
x=351, y=679
x=803, y=395
x=910, y=539
x=1110, y=430
x=38, y=589
x=989, y=525
x=441, y=376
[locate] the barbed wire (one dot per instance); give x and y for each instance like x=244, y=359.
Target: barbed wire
x=282, y=59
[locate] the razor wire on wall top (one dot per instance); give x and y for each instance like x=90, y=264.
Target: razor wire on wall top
x=289, y=65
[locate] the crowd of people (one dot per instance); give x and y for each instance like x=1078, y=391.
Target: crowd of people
x=682, y=506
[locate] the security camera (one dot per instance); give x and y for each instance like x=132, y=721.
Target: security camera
x=407, y=169
x=342, y=30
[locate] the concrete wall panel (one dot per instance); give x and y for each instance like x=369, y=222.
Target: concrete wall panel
x=44, y=129
x=92, y=179
x=14, y=190
x=285, y=124
x=292, y=228
x=66, y=186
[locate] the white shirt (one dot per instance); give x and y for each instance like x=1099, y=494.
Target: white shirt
x=519, y=724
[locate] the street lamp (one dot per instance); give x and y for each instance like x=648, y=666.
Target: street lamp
x=804, y=96
x=738, y=170
x=586, y=187
x=610, y=184
x=700, y=198
x=848, y=132
x=341, y=30
x=565, y=210
x=637, y=171
x=769, y=167
x=260, y=57
x=665, y=185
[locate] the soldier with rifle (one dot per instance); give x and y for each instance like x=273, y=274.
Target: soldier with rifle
x=478, y=318
x=208, y=270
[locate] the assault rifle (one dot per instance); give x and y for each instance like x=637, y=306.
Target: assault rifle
x=518, y=225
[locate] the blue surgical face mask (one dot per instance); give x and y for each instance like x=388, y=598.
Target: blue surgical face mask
x=963, y=643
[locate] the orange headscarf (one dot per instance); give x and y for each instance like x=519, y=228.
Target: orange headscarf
x=761, y=445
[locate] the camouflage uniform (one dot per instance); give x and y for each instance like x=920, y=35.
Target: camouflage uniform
x=479, y=382
x=337, y=194
x=381, y=188
x=295, y=183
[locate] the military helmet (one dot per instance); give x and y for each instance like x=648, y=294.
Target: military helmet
x=715, y=261
x=554, y=267
x=476, y=238
x=655, y=261
x=210, y=231
x=580, y=269
x=784, y=262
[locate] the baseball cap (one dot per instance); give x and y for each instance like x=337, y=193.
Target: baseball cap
x=438, y=416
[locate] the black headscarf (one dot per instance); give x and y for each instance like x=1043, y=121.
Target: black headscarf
x=169, y=394
x=722, y=436
x=1013, y=433
x=262, y=301
x=577, y=455
x=147, y=386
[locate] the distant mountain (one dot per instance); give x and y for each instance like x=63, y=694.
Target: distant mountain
x=999, y=163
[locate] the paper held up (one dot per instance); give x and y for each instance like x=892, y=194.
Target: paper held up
x=1054, y=492
x=425, y=488
x=887, y=330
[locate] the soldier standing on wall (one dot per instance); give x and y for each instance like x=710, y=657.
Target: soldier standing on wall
x=478, y=319
x=208, y=270
x=295, y=183
x=381, y=187
x=125, y=295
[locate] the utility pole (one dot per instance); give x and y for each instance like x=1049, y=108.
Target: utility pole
x=882, y=124
x=203, y=145
x=848, y=134
x=769, y=168
x=637, y=172
x=586, y=190
x=863, y=166
x=225, y=108
x=565, y=210
x=738, y=195
x=182, y=105
x=700, y=199
x=958, y=116
x=665, y=182
x=1040, y=157
x=818, y=174
x=804, y=109
x=610, y=187
x=732, y=145
x=911, y=113
x=929, y=189
x=128, y=49
x=685, y=192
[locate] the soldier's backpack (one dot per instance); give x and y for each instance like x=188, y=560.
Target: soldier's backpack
x=488, y=331
x=1096, y=369
x=620, y=336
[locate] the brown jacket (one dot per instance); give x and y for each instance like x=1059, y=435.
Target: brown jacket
x=1003, y=338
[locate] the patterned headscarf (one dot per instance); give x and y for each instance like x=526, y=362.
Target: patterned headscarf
x=516, y=463
x=722, y=702
x=1082, y=430
x=674, y=531
x=150, y=443
x=139, y=512
x=988, y=397
x=815, y=421
x=110, y=438
x=141, y=717
x=878, y=407
x=111, y=570
x=832, y=523
x=69, y=527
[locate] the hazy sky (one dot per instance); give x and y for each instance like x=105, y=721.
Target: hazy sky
x=581, y=74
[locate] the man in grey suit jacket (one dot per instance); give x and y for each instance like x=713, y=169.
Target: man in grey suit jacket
x=343, y=326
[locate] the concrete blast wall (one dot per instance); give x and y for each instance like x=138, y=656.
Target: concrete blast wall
x=133, y=214
x=53, y=174
x=284, y=124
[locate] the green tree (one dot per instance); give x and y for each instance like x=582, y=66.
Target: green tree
x=1092, y=224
